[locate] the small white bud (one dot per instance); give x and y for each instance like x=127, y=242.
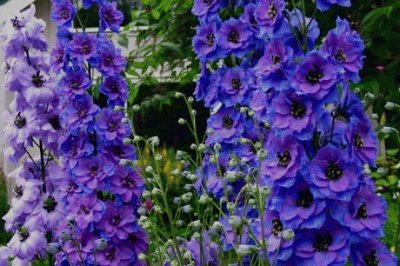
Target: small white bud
x=391, y=105
x=119, y=108
x=388, y=130
x=202, y=147
x=251, y=113
x=137, y=138
x=179, y=94
x=142, y=211
x=180, y=223
x=261, y=154
x=125, y=120
x=187, y=208
x=233, y=162
x=182, y=121
x=156, y=191
x=232, y=176
x=158, y=157
x=204, y=199
x=374, y=116
x=158, y=209
x=149, y=169
x=127, y=141
x=100, y=244
x=175, y=172
x=231, y=206
x=194, y=112
x=369, y=96
x=288, y=234
x=136, y=107
x=187, y=197
x=192, y=177
x=124, y=162
x=217, y=226
x=154, y=141
x=265, y=191
x=245, y=250
x=190, y=99
x=245, y=141
x=217, y=147
x=381, y=171
x=146, y=194
x=210, y=131
x=142, y=256
x=243, y=109
x=195, y=224
x=235, y=221
x=193, y=146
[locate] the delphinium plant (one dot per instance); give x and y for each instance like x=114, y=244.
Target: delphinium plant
x=102, y=193
x=32, y=131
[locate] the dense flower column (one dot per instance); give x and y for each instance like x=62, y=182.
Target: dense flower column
x=284, y=107
x=32, y=131
x=102, y=193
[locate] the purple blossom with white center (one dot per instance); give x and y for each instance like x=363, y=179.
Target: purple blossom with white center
x=363, y=214
x=110, y=17
x=83, y=46
x=111, y=126
x=234, y=87
x=333, y=174
x=233, y=37
x=27, y=242
x=344, y=48
x=315, y=76
x=118, y=221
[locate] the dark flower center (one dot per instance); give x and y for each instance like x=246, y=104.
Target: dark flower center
x=362, y=211
x=64, y=14
x=37, y=79
x=114, y=87
x=108, y=16
x=71, y=186
x=333, y=171
x=210, y=39
x=277, y=227
x=340, y=55
x=86, y=49
x=322, y=242
x=19, y=121
x=297, y=110
x=207, y=2
x=15, y=23
x=93, y=169
x=284, y=158
x=276, y=59
x=55, y=122
x=82, y=112
x=236, y=84
x=116, y=219
x=314, y=76
x=108, y=61
x=227, y=122
x=84, y=209
x=371, y=259
x=112, y=126
x=358, y=141
x=23, y=233
x=304, y=198
x=128, y=183
x=49, y=204
x=233, y=36
x=74, y=84
x=18, y=191
x=110, y=254
x=272, y=11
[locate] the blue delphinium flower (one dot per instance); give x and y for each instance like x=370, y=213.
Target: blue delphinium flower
x=371, y=252
x=324, y=5
x=205, y=42
x=234, y=87
x=234, y=37
x=63, y=12
x=205, y=9
x=110, y=17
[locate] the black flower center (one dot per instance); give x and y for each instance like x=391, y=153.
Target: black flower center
x=112, y=126
x=207, y=2
x=23, y=233
x=236, y=84
x=84, y=209
x=210, y=39
x=227, y=122
x=322, y=242
x=128, y=183
x=333, y=171
x=272, y=11
x=55, y=122
x=110, y=254
x=86, y=49
x=82, y=112
x=340, y=55
x=116, y=219
x=94, y=169
x=64, y=14
x=304, y=198
x=233, y=36
x=362, y=211
x=108, y=61
x=37, y=79
x=15, y=23
x=284, y=158
x=314, y=76
x=358, y=141
x=276, y=59
x=19, y=121
x=18, y=191
x=371, y=259
x=71, y=186
x=277, y=227
x=297, y=110
x=49, y=204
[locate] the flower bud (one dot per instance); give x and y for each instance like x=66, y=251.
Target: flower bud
x=180, y=223
x=187, y=197
x=391, y=105
x=149, y=169
x=201, y=147
x=156, y=191
x=210, y=131
x=193, y=146
x=265, y=191
x=245, y=141
x=125, y=120
x=388, y=130
x=190, y=99
x=194, y=112
x=158, y=157
x=232, y=176
x=142, y=256
x=217, y=147
x=288, y=234
x=243, y=109
x=251, y=113
x=136, y=107
x=231, y=206
x=187, y=255
x=217, y=226
x=235, y=221
x=141, y=211
x=127, y=141
x=233, y=162
x=182, y=121
x=119, y=108
x=245, y=250
x=195, y=224
x=187, y=208
x=65, y=236
x=204, y=199
x=179, y=94
x=154, y=141
x=261, y=154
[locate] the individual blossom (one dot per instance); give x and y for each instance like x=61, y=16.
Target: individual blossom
x=127, y=184
x=205, y=42
x=333, y=174
x=92, y=171
x=234, y=87
x=362, y=141
x=326, y=246
x=114, y=255
x=58, y=57
x=111, y=126
x=63, y=12
x=83, y=46
x=25, y=195
x=80, y=111
x=315, y=76
x=87, y=209
x=75, y=82
x=249, y=17
x=21, y=126
x=210, y=250
x=109, y=60
x=324, y=5
x=363, y=214
x=118, y=221
x=205, y=9
x=27, y=242
x=344, y=48
x=371, y=252
x=115, y=88
x=110, y=17
x=234, y=37
x=269, y=13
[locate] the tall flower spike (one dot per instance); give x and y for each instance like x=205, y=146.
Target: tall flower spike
x=102, y=197
x=32, y=131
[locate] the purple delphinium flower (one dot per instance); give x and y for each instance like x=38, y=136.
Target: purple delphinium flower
x=295, y=114
x=117, y=221
x=315, y=76
x=362, y=142
x=111, y=126
x=63, y=12
x=227, y=124
x=205, y=9
x=115, y=88
x=110, y=17
x=109, y=60
x=115, y=255
x=75, y=82
x=88, y=3
x=48, y=213
x=333, y=174
x=298, y=207
x=269, y=13
x=127, y=184
x=363, y=214
x=234, y=37
x=21, y=126
x=234, y=87
x=92, y=171
x=58, y=57
x=76, y=146
x=80, y=111
x=324, y=5
x=285, y=158
x=371, y=252
x=344, y=48
x=328, y=245
x=210, y=250
x=249, y=17
x=87, y=209
x=27, y=242
x=25, y=195
x=205, y=42
x=83, y=46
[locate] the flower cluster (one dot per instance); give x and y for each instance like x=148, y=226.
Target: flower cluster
x=32, y=131
x=289, y=142
x=102, y=192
